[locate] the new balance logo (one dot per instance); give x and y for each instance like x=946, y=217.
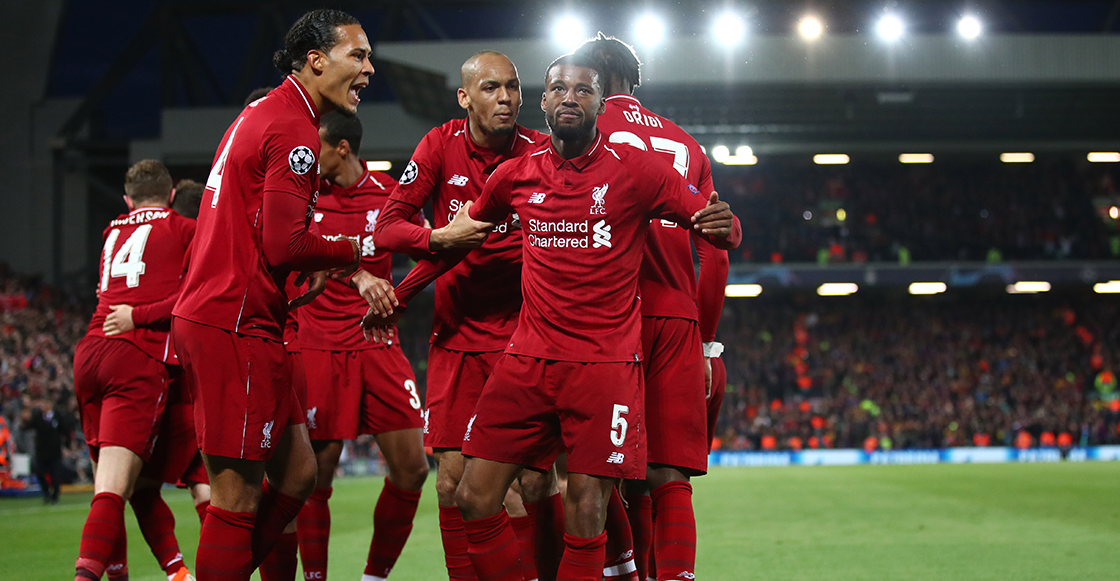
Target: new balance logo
x=458, y=180
x=602, y=236
x=537, y=198
x=470, y=424
x=686, y=575
x=616, y=458
x=311, y=418
x=267, y=441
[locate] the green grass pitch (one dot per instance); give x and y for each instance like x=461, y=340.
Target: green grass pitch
x=1018, y=522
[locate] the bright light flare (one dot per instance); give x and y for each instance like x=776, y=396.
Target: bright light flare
x=379, y=165
x=831, y=159
x=1105, y=157
x=810, y=28
x=729, y=29
x=1028, y=287
x=1016, y=157
x=890, y=28
x=916, y=158
x=720, y=153
x=1114, y=213
x=837, y=289
x=927, y=288
x=649, y=30
x=744, y=155
x=1110, y=287
x=743, y=290
x=569, y=32
x=970, y=27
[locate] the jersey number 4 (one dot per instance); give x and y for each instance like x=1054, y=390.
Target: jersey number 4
x=128, y=261
x=678, y=150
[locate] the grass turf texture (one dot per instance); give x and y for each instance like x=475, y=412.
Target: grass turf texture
x=960, y=522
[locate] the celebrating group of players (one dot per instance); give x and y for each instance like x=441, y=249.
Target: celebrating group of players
x=568, y=320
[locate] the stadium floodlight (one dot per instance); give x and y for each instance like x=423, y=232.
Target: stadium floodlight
x=969, y=27
x=649, y=30
x=810, y=28
x=744, y=155
x=1028, y=287
x=743, y=290
x=569, y=32
x=841, y=214
x=1110, y=287
x=379, y=165
x=837, y=289
x=916, y=158
x=720, y=153
x=1016, y=157
x=729, y=29
x=927, y=288
x=1105, y=157
x=831, y=159
x=890, y=27
x=1114, y=213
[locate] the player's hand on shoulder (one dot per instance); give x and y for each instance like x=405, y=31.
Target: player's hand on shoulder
x=462, y=232
x=317, y=282
x=715, y=219
x=118, y=321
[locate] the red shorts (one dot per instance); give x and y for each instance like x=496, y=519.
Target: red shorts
x=299, y=386
x=176, y=448
x=122, y=392
x=676, y=407
x=366, y=391
x=455, y=380
x=531, y=409
x=242, y=389
x=719, y=387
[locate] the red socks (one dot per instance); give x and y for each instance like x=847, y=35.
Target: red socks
x=158, y=526
x=392, y=523
x=104, y=529
x=583, y=558
x=117, y=568
x=674, y=533
x=275, y=511
x=224, y=547
x=201, y=510
x=523, y=529
x=314, y=530
x=455, y=544
x=640, y=514
x=620, y=543
x=280, y=564
x=548, y=534
x=493, y=550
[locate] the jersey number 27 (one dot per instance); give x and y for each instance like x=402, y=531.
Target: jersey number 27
x=678, y=150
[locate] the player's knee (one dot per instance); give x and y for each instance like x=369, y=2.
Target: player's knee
x=536, y=486
x=446, y=486
x=303, y=476
x=412, y=476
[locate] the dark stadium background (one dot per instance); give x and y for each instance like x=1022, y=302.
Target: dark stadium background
x=95, y=86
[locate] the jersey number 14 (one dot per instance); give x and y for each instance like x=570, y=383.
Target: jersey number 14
x=128, y=261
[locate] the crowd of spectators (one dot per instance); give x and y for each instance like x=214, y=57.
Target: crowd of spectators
x=951, y=211
x=917, y=372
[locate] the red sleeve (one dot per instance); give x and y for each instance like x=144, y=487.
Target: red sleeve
x=288, y=244
x=678, y=200
x=493, y=204
x=711, y=286
x=425, y=272
x=420, y=181
x=155, y=315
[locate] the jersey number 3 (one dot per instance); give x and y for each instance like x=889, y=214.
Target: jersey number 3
x=128, y=261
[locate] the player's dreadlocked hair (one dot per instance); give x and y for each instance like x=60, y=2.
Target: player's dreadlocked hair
x=313, y=31
x=615, y=58
x=340, y=126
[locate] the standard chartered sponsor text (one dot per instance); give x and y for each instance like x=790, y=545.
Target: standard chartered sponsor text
x=561, y=227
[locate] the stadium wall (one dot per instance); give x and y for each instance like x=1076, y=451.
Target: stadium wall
x=998, y=455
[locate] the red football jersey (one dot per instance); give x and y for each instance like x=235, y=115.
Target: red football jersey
x=142, y=263
x=668, y=278
x=267, y=159
x=585, y=223
x=331, y=321
x=477, y=302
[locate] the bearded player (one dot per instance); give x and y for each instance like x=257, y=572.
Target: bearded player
x=570, y=376
x=477, y=304
x=678, y=323
x=121, y=375
x=228, y=325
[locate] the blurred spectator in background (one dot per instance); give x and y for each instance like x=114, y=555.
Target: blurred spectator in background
x=53, y=429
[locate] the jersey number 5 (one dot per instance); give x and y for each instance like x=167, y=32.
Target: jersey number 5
x=619, y=425
x=128, y=260
x=678, y=150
